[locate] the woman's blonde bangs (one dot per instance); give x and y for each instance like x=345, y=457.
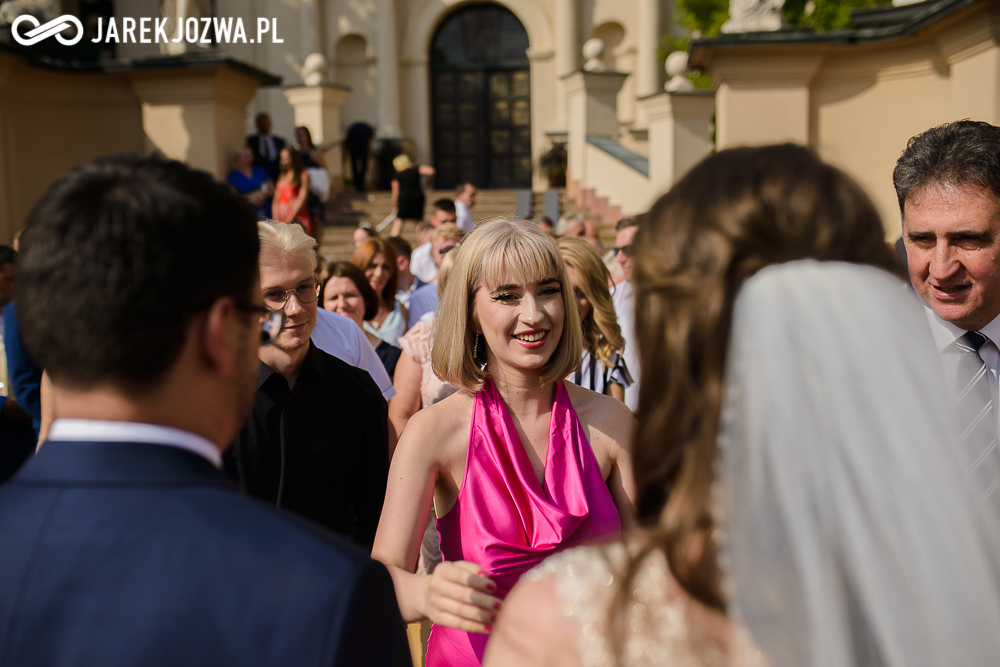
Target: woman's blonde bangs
x=497, y=253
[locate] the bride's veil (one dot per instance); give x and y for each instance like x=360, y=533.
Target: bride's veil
x=851, y=533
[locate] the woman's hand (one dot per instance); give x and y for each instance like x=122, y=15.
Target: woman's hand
x=459, y=596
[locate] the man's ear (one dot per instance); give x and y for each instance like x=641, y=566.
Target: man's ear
x=218, y=335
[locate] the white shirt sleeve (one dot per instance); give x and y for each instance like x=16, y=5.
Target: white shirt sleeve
x=464, y=220
x=339, y=336
x=422, y=264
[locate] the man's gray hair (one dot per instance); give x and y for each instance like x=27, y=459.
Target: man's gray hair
x=278, y=239
x=562, y=226
x=966, y=152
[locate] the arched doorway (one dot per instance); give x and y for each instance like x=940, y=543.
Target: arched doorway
x=480, y=97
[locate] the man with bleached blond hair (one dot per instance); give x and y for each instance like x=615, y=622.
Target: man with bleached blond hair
x=316, y=442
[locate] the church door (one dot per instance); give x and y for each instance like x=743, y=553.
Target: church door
x=480, y=96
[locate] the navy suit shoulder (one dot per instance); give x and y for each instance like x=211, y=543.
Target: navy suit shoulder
x=125, y=554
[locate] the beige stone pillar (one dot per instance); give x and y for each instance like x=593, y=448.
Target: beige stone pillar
x=388, y=69
x=763, y=99
x=593, y=111
x=680, y=134
x=318, y=108
x=309, y=28
x=196, y=115
x=567, y=52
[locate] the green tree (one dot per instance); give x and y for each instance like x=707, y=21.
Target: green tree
x=822, y=15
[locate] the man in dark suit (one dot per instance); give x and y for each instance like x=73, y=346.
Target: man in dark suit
x=123, y=543
x=266, y=147
x=358, y=142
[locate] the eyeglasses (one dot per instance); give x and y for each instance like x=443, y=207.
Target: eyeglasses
x=445, y=249
x=307, y=292
x=270, y=322
x=625, y=250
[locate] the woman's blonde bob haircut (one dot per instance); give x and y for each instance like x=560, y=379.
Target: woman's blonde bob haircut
x=499, y=252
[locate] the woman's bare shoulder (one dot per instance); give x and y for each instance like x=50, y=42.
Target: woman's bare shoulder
x=532, y=629
x=443, y=419
x=603, y=415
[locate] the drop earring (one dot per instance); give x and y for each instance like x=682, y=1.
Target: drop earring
x=475, y=348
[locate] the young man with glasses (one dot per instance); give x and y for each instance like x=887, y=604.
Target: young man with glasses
x=316, y=442
x=625, y=304
x=122, y=541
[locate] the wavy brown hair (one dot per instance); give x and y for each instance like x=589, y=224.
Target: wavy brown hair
x=602, y=336
x=733, y=214
x=362, y=257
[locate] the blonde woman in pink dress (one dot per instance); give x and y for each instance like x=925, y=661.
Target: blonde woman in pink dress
x=518, y=464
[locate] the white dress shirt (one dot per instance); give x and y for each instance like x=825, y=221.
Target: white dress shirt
x=98, y=430
x=464, y=220
x=945, y=334
x=342, y=338
x=624, y=302
x=422, y=264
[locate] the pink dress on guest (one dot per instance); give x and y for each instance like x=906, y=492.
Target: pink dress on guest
x=505, y=521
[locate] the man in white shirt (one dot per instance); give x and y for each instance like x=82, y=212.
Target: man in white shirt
x=465, y=198
x=625, y=305
x=139, y=293
x=422, y=264
x=948, y=185
x=341, y=337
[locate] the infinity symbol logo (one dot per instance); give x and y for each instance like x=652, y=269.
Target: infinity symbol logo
x=44, y=31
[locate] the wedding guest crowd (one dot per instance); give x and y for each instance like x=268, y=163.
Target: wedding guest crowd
x=253, y=457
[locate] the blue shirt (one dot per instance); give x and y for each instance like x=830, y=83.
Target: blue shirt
x=246, y=185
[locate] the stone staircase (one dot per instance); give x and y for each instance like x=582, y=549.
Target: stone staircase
x=344, y=215
x=346, y=212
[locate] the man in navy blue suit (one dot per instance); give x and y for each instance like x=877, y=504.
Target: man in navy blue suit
x=121, y=542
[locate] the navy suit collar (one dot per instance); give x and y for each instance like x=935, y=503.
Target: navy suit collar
x=119, y=463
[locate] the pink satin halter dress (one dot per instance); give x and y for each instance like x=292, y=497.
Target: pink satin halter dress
x=505, y=521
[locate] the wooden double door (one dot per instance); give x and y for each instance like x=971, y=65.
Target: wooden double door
x=482, y=128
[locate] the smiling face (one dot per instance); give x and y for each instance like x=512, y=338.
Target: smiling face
x=378, y=272
x=290, y=272
x=952, y=239
x=522, y=324
x=342, y=296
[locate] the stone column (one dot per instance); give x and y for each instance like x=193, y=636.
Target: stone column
x=680, y=134
x=567, y=55
x=318, y=108
x=388, y=70
x=195, y=115
x=647, y=72
x=593, y=112
x=310, y=40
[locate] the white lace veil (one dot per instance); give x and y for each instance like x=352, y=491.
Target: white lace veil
x=851, y=530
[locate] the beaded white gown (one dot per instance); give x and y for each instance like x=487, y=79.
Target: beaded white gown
x=659, y=629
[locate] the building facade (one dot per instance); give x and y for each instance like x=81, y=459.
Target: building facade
x=475, y=88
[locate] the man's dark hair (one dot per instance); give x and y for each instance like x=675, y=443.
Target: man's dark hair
x=403, y=249
x=446, y=205
x=461, y=185
x=632, y=221
x=116, y=256
x=7, y=255
x=966, y=152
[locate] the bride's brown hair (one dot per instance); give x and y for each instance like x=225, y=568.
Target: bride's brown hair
x=731, y=215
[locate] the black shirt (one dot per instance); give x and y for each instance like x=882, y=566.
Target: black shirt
x=332, y=429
